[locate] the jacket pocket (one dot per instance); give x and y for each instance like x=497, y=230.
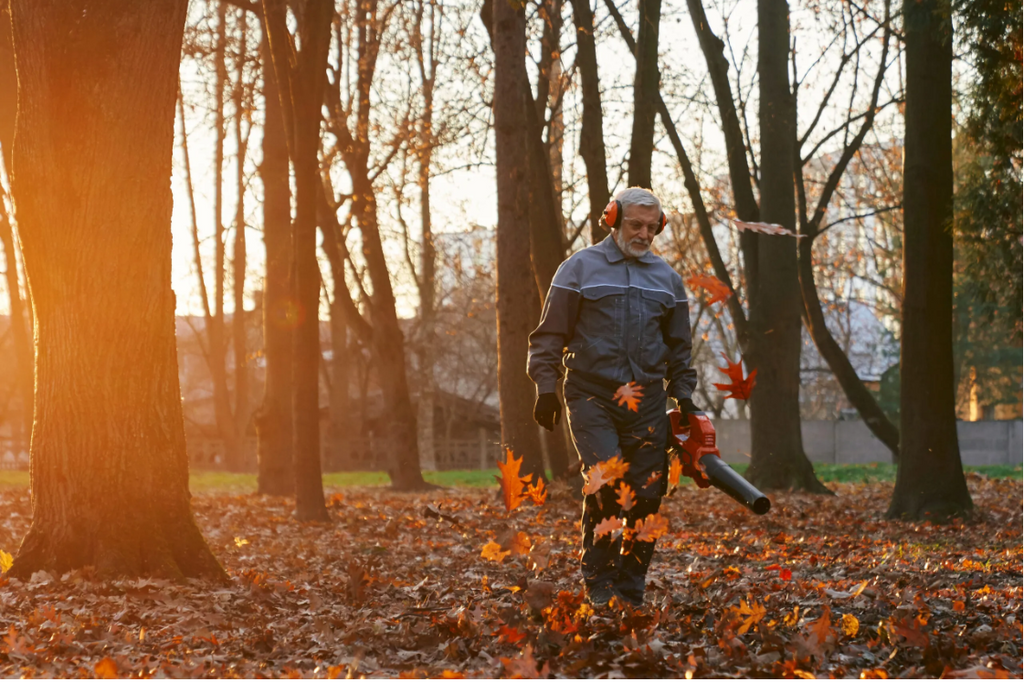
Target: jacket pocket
x=601, y=313
x=657, y=306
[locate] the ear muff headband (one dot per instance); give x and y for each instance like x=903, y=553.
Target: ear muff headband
x=613, y=217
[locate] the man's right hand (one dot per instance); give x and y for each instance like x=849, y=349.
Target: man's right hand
x=547, y=411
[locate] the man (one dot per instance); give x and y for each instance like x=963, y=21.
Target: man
x=616, y=313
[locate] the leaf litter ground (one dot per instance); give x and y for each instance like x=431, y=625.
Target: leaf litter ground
x=396, y=586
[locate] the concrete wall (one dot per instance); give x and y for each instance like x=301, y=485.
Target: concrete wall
x=851, y=442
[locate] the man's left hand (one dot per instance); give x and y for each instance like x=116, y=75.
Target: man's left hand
x=687, y=406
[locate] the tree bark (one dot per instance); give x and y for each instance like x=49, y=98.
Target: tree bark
x=591, y=120
x=238, y=321
x=217, y=357
x=23, y=351
x=515, y=296
x=305, y=73
x=645, y=92
x=777, y=453
x=92, y=170
x=273, y=420
x=929, y=478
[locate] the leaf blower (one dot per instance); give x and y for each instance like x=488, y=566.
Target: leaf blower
x=693, y=440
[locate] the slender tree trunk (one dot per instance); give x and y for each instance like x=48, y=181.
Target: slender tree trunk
x=591, y=123
x=515, y=296
x=217, y=357
x=929, y=479
x=273, y=420
x=646, y=85
x=777, y=452
x=341, y=371
x=428, y=285
x=238, y=321
x=302, y=76
x=91, y=179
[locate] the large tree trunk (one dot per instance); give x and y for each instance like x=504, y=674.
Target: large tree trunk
x=23, y=359
x=515, y=294
x=929, y=479
x=777, y=453
x=645, y=94
x=92, y=173
x=303, y=76
x=273, y=420
x=591, y=123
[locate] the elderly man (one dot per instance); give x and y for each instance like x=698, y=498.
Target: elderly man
x=616, y=313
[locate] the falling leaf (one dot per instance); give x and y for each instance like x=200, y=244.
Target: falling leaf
x=540, y=594
x=850, y=625
x=611, y=526
x=629, y=395
x=511, y=483
x=106, y=669
x=537, y=492
x=765, y=228
x=738, y=387
x=492, y=551
x=510, y=635
x=603, y=473
x=240, y=542
x=651, y=528
x=675, y=470
x=653, y=478
x=718, y=289
x=626, y=498
x=520, y=544
x=6, y=561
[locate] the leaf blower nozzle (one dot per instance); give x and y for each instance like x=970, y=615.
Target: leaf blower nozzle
x=693, y=439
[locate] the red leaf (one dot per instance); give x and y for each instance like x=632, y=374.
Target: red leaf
x=738, y=387
x=785, y=574
x=718, y=289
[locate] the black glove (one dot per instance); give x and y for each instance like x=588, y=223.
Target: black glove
x=547, y=411
x=687, y=406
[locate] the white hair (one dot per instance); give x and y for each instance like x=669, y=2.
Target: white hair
x=637, y=196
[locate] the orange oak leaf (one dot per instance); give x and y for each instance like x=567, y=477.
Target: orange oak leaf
x=675, y=470
x=492, y=551
x=537, y=492
x=738, y=387
x=629, y=395
x=651, y=528
x=510, y=634
x=718, y=289
x=626, y=496
x=653, y=478
x=766, y=228
x=511, y=483
x=603, y=473
x=611, y=526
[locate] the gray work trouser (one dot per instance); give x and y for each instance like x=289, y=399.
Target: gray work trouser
x=601, y=429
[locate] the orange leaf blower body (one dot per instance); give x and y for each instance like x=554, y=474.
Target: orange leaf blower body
x=693, y=440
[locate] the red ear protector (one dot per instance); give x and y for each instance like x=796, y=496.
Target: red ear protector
x=613, y=217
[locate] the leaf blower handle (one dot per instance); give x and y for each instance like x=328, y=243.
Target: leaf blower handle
x=694, y=441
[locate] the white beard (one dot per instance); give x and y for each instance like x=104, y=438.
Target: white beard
x=634, y=249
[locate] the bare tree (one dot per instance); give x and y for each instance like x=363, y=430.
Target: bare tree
x=929, y=479
x=300, y=67
x=91, y=177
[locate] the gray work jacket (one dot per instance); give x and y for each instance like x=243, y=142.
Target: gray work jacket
x=614, y=320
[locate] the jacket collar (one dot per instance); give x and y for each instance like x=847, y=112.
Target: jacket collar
x=614, y=254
